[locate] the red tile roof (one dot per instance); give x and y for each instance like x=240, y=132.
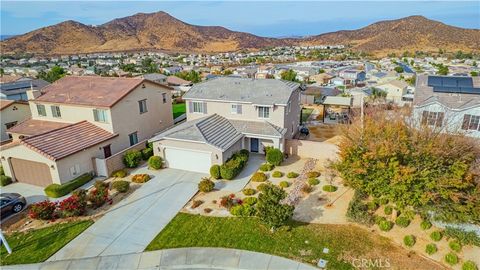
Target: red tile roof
x=66, y=141
x=32, y=127
x=4, y=103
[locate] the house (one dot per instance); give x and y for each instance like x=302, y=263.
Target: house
x=155, y=77
x=322, y=78
x=82, y=125
x=179, y=85
x=395, y=90
x=17, y=90
x=451, y=104
x=352, y=76
x=315, y=94
x=12, y=112
x=227, y=114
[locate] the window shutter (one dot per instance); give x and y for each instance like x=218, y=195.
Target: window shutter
x=466, y=121
x=204, y=107
x=190, y=107
x=239, y=109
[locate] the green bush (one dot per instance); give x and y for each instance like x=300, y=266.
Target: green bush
x=249, y=191
x=451, y=258
x=357, y=211
x=277, y=174
x=425, y=225
x=436, y=236
x=243, y=210
x=313, y=174
x=132, y=158
x=329, y=188
x=409, y=240
x=266, y=167
x=2, y=172
x=147, y=153
x=234, y=165
x=250, y=200
x=431, y=249
x=140, y=178
x=5, y=180
x=292, y=175
x=388, y=210
x=379, y=219
x=284, y=184
x=469, y=265
x=385, y=225
x=383, y=201
x=372, y=205
x=206, y=185
x=56, y=190
x=215, y=171
x=402, y=221
x=313, y=181
x=120, y=173
x=464, y=237
x=275, y=156
x=455, y=245
x=259, y=177
x=263, y=186
x=121, y=185
x=155, y=162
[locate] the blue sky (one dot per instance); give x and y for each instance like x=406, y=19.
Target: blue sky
x=271, y=18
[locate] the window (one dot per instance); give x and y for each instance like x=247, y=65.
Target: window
x=236, y=109
x=142, y=105
x=289, y=106
x=56, y=111
x=11, y=124
x=41, y=110
x=471, y=122
x=164, y=97
x=75, y=170
x=263, y=112
x=199, y=107
x=434, y=119
x=100, y=115
x=133, y=138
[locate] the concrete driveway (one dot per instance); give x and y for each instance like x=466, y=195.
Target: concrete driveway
x=31, y=193
x=132, y=224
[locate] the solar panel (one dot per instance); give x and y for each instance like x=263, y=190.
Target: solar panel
x=14, y=86
x=461, y=85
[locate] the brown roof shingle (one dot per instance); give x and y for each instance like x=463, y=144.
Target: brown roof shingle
x=32, y=127
x=63, y=142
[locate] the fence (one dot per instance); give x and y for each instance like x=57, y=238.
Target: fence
x=115, y=162
x=311, y=149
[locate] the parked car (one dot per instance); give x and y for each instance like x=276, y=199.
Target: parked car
x=11, y=203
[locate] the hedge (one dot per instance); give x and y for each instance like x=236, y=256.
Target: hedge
x=215, y=171
x=5, y=180
x=56, y=190
x=147, y=153
x=234, y=165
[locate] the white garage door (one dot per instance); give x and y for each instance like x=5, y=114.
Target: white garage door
x=188, y=160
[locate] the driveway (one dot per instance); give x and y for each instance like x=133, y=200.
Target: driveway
x=31, y=193
x=134, y=222
x=242, y=179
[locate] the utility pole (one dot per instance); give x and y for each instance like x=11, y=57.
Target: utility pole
x=4, y=241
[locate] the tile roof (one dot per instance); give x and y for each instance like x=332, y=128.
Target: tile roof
x=32, y=127
x=176, y=80
x=4, y=103
x=262, y=91
x=65, y=141
x=258, y=128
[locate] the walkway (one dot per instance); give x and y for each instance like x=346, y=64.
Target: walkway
x=181, y=258
x=135, y=221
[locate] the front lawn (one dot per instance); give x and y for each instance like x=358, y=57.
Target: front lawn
x=38, y=245
x=304, y=242
x=178, y=109
x=306, y=112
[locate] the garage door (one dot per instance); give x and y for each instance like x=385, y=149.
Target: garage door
x=185, y=159
x=31, y=172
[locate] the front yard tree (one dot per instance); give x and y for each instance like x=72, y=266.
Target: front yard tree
x=270, y=210
x=289, y=75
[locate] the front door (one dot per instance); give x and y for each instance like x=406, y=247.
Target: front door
x=254, y=145
x=107, y=151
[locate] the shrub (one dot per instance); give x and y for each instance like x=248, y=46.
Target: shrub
x=469, y=265
x=196, y=203
x=409, y=240
x=5, y=180
x=140, y=178
x=436, y=236
x=234, y=165
x=313, y=174
x=372, y=205
x=120, y=173
x=121, y=185
x=292, y=175
x=307, y=189
x=244, y=210
x=262, y=186
x=402, y=221
x=56, y=190
x=259, y=177
x=313, y=181
x=451, y=258
x=155, y=162
x=464, y=237
x=385, y=225
x=266, y=167
x=73, y=206
x=425, y=225
x=98, y=196
x=329, y=188
x=284, y=184
x=207, y=210
x=455, y=245
x=383, y=201
x=431, y=249
x=2, y=172
x=249, y=191
x=44, y=210
x=388, y=210
x=215, y=171
x=277, y=174
x=357, y=211
x=206, y=185
x=147, y=153
x=379, y=219
x=274, y=156
x=270, y=210
x=250, y=200
x=132, y=158
x=229, y=201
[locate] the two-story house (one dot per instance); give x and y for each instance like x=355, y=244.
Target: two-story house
x=448, y=103
x=12, y=112
x=79, y=119
x=227, y=114
x=352, y=76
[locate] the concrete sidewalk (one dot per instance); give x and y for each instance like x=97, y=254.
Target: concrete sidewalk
x=181, y=258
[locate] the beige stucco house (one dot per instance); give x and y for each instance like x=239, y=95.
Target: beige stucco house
x=12, y=113
x=395, y=89
x=78, y=123
x=227, y=114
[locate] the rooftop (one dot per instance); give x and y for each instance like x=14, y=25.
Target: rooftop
x=32, y=127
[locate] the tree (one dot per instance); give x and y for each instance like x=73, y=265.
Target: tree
x=442, y=69
x=270, y=210
x=128, y=68
x=148, y=66
x=54, y=74
x=289, y=75
x=398, y=69
x=378, y=94
x=474, y=73
x=321, y=71
x=191, y=76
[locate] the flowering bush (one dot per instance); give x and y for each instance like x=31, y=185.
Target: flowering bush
x=230, y=201
x=73, y=206
x=98, y=196
x=44, y=210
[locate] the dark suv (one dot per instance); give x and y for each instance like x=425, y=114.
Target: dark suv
x=11, y=203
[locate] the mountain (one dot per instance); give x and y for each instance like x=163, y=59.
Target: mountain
x=160, y=31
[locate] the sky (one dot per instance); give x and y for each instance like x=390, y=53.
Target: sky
x=268, y=18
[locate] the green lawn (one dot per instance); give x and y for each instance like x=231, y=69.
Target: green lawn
x=178, y=109
x=306, y=112
x=187, y=230
x=38, y=245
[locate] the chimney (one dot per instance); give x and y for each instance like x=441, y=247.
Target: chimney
x=33, y=94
